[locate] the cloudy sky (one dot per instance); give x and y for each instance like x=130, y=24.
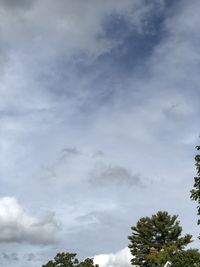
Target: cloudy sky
x=99, y=117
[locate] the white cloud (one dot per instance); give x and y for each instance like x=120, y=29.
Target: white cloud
x=119, y=259
x=16, y=225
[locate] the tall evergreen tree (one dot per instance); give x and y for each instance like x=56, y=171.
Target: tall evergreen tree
x=160, y=232
x=195, y=192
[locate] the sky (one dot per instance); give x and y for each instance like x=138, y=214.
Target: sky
x=99, y=118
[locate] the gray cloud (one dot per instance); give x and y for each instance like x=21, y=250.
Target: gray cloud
x=10, y=256
x=21, y=258
x=98, y=154
x=102, y=218
x=107, y=220
x=105, y=175
x=61, y=88
x=17, y=4
x=65, y=155
x=61, y=24
x=67, y=151
x=31, y=257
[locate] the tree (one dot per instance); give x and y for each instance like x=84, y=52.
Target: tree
x=188, y=258
x=195, y=192
x=69, y=260
x=160, y=233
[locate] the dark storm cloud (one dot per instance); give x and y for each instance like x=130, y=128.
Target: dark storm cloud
x=105, y=175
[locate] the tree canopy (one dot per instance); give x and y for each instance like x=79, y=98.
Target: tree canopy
x=66, y=259
x=188, y=258
x=160, y=233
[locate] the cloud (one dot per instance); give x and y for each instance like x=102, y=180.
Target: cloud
x=61, y=25
x=18, y=226
x=98, y=154
x=105, y=175
x=65, y=155
x=67, y=151
x=10, y=256
x=31, y=257
x=21, y=258
x=17, y=4
x=119, y=259
x=114, y=76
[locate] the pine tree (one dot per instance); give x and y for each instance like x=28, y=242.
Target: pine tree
x=195, y=192
x=151, y=235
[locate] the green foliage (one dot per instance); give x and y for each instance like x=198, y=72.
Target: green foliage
x=188, y=258
x=195, y=192
x=159, y=258
x=69, y=260
x=156, y=239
